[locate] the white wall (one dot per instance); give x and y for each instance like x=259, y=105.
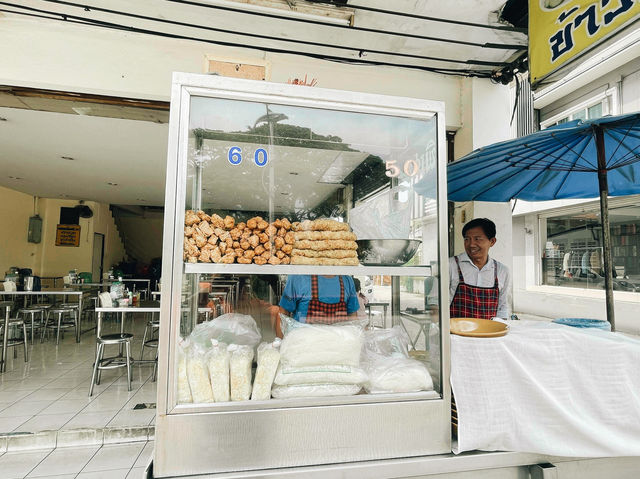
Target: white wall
x=45, y=258
x=71, y=57
x=486, y=114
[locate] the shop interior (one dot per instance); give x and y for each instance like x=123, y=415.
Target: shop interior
x=99, y=226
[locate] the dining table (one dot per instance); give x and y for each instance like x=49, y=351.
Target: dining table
x=65, y=292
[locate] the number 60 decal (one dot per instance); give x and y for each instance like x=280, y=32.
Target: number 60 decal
x=260, y=157
x=410, y=168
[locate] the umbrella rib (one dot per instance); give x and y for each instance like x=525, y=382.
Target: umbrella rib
x=628, y=158
x=570, y=148
x=558, y=159
x=621, y=141
x=564, y=180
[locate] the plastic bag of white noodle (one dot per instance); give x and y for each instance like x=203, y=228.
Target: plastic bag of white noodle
x=315, y=390
x=198, y=375
x=321, y=374
x=217, y=359
x=268, y=360
x=397, y=375
x=240, y=360
x=322, y=344
x=184, y=391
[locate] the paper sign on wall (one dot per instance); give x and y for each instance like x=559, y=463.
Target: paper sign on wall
x=68, y=235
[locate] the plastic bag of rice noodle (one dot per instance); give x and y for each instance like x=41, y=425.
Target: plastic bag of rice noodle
x=268, y=360
x=321, y=374
x=198, y=375
x=314, y=345
x=241, y=357
x=315, y=390
x=184, y=391
x=397, y=374
x=217, y=359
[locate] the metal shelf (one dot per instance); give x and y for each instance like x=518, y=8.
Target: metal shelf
x=220, y=268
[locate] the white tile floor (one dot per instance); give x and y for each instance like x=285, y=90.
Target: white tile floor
x=109, y=462
x=50, y=392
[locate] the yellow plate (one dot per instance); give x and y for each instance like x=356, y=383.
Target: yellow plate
x=478, y=328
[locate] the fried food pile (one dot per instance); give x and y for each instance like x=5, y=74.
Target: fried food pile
x=324, y=242
x=213, y=239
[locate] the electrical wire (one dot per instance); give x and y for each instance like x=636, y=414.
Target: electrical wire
x=358, y=50
x=437, y=19
x=49, y=15
x=348, y=27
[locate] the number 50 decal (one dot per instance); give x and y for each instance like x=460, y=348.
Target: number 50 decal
x=260, y=157
x=410, y=168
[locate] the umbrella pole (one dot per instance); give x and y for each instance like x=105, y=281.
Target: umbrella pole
x=606, y=231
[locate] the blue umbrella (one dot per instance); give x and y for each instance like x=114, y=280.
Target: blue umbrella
x=579, y=159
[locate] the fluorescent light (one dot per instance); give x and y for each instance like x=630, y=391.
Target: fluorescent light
x=303, y=10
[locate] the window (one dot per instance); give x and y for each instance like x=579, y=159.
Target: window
x=572, y=255
x=596, y=107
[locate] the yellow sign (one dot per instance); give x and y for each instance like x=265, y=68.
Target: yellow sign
x=559, y=30
x=68, y=235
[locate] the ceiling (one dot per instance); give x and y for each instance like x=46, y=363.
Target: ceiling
x=118, y=146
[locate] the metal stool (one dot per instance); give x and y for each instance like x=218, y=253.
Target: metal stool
x=154, y=325
x=12, y=343
x=113, y=362
x=60, y=323
x=32, y=311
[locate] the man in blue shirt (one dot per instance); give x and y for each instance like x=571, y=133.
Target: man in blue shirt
x=319, y=299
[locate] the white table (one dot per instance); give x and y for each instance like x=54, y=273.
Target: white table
x=51, y=292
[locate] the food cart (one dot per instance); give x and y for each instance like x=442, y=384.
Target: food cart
x=270, y=181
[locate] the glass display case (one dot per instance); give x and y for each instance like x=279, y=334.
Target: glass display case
x=318, y=217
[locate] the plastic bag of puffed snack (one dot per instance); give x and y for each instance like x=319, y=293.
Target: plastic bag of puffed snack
x=184, y=391
x=231, y=328
x=241, y=357
x=198, y=375
x=315, y=390
x=268, y=360
x=217, y=359
x=287, y=323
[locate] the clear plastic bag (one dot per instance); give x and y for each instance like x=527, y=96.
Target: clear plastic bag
x=386, y=342
x=198, y=375
x=287, y=323
x=231, y=328
x=322, y=344
x=268, y=360
x=217, y=359
x=315, y=390
x=397, y=375
x=184, y=391
x=241, y=357
x=324, y=374
x=387, y=215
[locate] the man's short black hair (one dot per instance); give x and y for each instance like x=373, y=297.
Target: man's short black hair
x=488, y=226
x=356, y=283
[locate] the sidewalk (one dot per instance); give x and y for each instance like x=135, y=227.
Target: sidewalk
x=113, y=461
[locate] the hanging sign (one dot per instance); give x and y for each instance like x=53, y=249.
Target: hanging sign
x=560, y=30
x=68, y=235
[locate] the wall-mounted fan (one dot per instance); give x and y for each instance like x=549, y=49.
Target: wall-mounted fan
x=83, y=210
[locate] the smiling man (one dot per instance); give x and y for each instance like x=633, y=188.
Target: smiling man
x=479, y=286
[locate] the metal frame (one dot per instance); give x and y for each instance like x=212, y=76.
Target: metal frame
x=284, y=433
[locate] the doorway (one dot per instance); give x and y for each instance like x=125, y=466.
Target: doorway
x=98, y=257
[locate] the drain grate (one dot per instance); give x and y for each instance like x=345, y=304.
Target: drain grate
x=145, y=405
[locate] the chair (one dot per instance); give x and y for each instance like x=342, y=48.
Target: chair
x=61, y=312
x=12, y=343
x=32, y=311
x=112, y=362
x=153, y=325
x=103, y=340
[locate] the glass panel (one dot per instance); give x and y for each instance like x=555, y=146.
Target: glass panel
x=272, y=185
x=573, y=253
x=579, y=115
x=595, y=111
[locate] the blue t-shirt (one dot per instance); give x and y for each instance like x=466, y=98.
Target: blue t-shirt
x=297, y=294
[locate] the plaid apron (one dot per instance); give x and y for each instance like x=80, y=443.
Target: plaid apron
x=325, y=313
x=474, y=301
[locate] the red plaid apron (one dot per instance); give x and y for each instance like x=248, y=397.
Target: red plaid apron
x=325, y=313
x=474, y=301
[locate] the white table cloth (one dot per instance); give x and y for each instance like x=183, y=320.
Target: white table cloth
x=549, y=389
